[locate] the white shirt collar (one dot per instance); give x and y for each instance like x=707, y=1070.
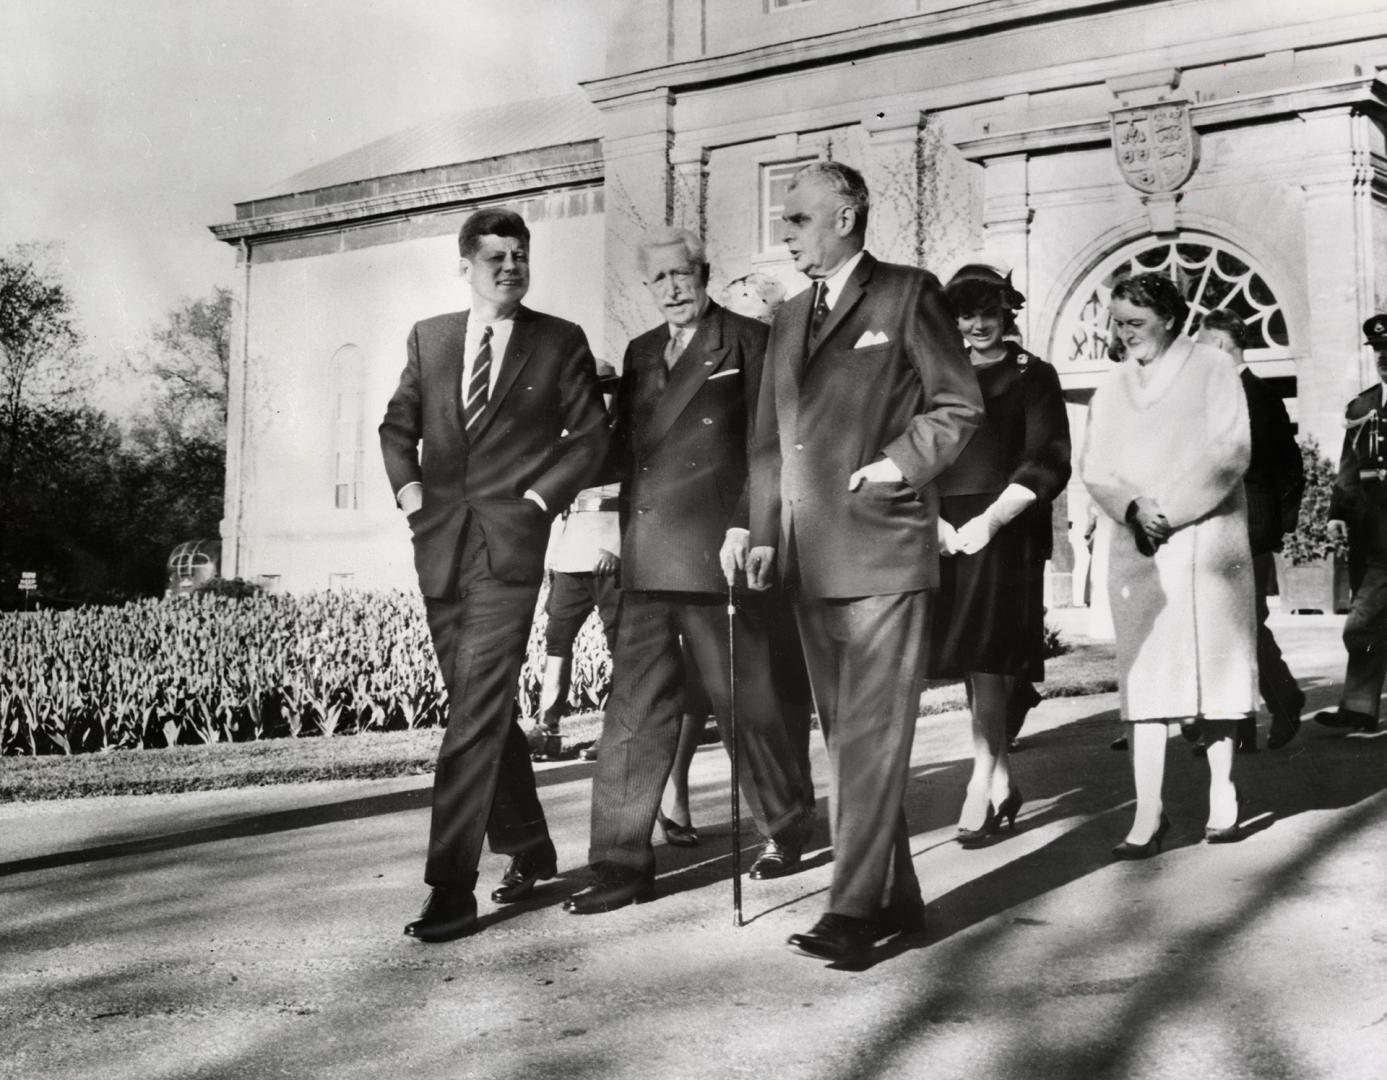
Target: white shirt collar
x=684, y=334
x=834, y=283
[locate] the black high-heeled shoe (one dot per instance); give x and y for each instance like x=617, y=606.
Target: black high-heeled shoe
x=1231, y=833
x=677, y=835
x=1129, y=850
x=1008, y=808
x=972, y=837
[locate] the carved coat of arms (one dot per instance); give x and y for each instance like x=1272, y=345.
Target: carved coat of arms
x=1156, y=145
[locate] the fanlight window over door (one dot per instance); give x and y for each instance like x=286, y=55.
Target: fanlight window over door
x=1211, y=275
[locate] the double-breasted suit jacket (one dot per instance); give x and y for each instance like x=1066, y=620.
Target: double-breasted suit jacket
x=544, y=430
x=679, y=448
x=887, y=376
x=479, y=548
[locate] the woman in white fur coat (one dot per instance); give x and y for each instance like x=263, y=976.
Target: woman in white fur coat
x=1166, y=449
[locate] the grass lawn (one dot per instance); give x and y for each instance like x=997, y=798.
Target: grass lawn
x=1086, y=669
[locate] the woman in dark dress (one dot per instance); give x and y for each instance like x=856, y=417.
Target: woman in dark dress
x=994, y=529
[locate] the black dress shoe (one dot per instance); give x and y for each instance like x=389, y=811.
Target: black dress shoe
x=1347, y=719
x=777, y=858
x=447, y=914
x=524, y=870
x=837, y=938
x=1119, y=743
x=612, y=887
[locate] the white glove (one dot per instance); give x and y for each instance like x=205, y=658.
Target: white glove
x=948, y=538
x=974, y=535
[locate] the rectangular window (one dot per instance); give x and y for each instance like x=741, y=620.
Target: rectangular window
x=348, y=457
x=775, y=183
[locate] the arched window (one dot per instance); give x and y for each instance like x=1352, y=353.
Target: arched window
x=348, y=398
x=1210, y=272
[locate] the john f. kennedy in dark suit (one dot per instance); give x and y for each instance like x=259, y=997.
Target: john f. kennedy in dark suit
x=496, y=424
x=1274, y=483
x=867, y=397
x=679, y=450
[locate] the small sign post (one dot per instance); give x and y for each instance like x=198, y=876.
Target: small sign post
x=28, y=584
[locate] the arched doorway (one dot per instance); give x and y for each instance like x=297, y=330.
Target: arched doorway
x=1211, y=273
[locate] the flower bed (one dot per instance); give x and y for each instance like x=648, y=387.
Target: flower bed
x=207, y=668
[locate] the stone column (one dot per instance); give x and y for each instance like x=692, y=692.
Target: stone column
x=1006, y=219
x=637, y=196
x=688, y=172
x=892, y=173
x=1344, y=268
x=236, y=406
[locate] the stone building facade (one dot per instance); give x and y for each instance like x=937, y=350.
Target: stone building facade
x=1237, y=146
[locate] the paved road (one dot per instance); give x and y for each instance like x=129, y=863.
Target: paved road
x=255, y=933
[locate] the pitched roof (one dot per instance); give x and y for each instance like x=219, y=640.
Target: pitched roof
x=463, y=136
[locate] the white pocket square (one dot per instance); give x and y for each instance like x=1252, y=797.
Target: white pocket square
x=724, y=374
x=874, y=337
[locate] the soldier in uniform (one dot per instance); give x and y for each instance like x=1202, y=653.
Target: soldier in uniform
x=1358, y=511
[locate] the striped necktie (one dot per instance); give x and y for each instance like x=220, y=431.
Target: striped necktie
x=479, y=389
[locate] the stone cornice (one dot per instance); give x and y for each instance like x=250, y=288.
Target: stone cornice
x=1366, y=93
x=910, y=32
x=402, y=203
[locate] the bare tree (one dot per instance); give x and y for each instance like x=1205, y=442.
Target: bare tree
x=191, y=359
x=38, y=338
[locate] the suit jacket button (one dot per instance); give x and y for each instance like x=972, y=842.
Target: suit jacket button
x=707, y=419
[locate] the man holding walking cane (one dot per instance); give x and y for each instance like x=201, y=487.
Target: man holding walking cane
x=679, y=451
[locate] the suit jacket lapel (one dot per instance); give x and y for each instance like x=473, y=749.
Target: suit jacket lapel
x=455, y=354
x=703, y=355
x=789, y=339
x=518, y=351
x=856, y=284
x=792, y=346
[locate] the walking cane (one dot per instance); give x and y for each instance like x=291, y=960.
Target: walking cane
x=732, y=753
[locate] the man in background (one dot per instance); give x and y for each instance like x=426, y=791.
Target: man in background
x=1274, y=483
x=1358, y=514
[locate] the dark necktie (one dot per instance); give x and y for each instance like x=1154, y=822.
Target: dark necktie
x=479, y=389
x=674, y=348
x=820, y=316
